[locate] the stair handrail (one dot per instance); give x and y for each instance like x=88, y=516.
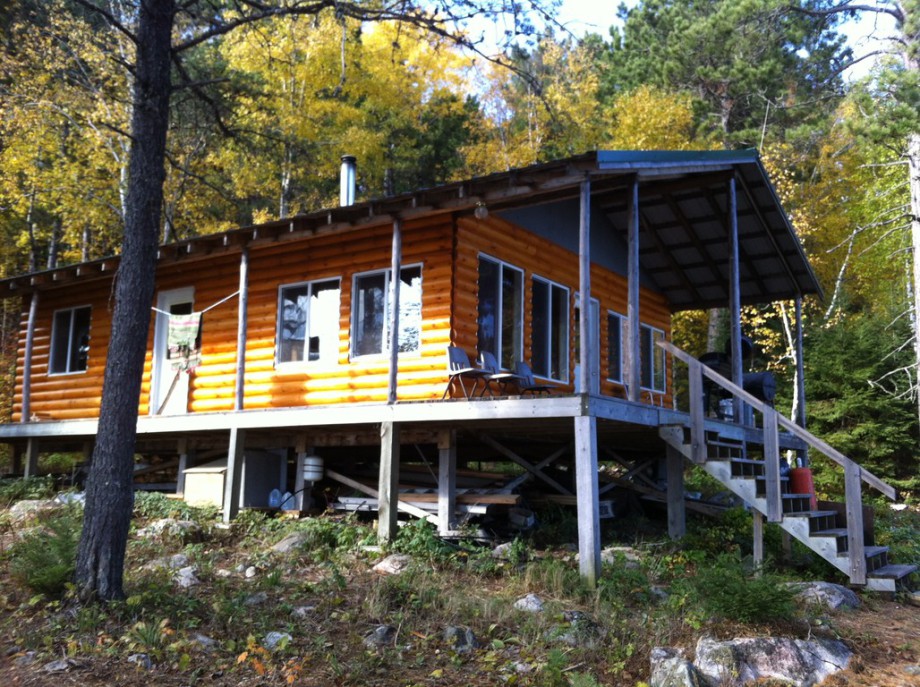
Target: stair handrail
x=802, y=433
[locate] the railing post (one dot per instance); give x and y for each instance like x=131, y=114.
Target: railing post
x=856, y=543
x=697, y=420
x=771, y=458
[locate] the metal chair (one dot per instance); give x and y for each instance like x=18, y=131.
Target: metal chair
x=488, y=363
x=459, y=369
x=527, y=383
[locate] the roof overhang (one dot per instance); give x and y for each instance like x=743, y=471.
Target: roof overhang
x=684, y=222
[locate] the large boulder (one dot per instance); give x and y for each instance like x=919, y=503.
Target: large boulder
x=799, y=662
x=670, y=668
x=825, y=595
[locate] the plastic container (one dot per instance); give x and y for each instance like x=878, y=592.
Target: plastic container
x=801, y=482
x=312, y=468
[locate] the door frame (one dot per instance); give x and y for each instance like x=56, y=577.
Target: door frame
x=159, y=363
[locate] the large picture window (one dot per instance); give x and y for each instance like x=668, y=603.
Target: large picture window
x=308, y=322
x=615, y=327
x=501, y=311
x=550, y=345
x=70, y=340
x=371, y=312
x=651, y=358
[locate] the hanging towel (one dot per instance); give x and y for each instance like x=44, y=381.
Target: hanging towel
x=184, y=341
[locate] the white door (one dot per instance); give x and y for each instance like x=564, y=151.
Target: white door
x=169, y=387
x=595, y=332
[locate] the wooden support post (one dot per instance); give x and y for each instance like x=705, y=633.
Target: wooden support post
x=447, y=480
x=234, y=476
x=758, y=541
x=535, y=471
x=300, y=456
x=856, y=543
x=16, y=466
x=388, y=485
x=697, y=413
x=734, y=299
x=800, y=373
x=588, y=378
x=27, y=360
x=395, y=270
x=633, y=371
x=586, y=488
x=771, y=458
x=31, y=467
x=239, y=399
x=677, y=510
x=184, y=464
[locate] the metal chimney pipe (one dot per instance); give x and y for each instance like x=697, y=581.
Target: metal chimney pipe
x=347, y=186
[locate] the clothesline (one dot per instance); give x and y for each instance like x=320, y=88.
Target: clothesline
x=210, y=307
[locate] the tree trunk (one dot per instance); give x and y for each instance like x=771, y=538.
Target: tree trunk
x=913, y=167
x=109, y=489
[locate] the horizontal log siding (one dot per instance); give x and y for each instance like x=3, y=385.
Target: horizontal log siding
x=537, y=256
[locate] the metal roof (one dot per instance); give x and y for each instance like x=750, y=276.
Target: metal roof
x=684, y=222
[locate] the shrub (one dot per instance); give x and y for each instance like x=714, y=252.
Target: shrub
x=420, y=538
x=13, y=490
x=154, y=505
x=44, y=560
x=723, y=589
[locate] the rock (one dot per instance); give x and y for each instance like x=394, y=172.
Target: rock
x=275, y=640
x=912, y=670
x=256, y=599
x=669, y=668
x=59, y=665
x=187, y=577
x=290, y=542
x=142, y=661
x=241, y=568
x=380, y=636
x=30, y=508
x=741, y=660
x=612, y=554
x=659, y=594
x=223, y=573
x=28, y=658
x=303, y=612
x=581, y=630
x=67, y=498
x=205, y=642
x=913, y=598
x=530, y=603
x=502, y=550
x=825, y=595
x=174, y=562
x=251, y=572
x=460, y=639
x=170, y=527
x=393, y=564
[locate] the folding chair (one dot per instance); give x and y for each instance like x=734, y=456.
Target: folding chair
x=488, y=363
x=527, y=383
x=459, y=369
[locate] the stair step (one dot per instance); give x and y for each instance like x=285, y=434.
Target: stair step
x=795, y=503
x=893, y=571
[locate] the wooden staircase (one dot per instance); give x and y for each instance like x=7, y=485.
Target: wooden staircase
x=750, y=468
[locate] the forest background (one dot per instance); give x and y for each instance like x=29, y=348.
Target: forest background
x=261, y=138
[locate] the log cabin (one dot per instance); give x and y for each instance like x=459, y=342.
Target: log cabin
x=327, y=334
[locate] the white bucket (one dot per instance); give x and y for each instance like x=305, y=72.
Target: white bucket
x=312, y=468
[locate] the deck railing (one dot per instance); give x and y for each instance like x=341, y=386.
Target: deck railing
x=854, y=475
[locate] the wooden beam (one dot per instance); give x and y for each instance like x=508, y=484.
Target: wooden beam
x=856, y=543
x=447, y=480
x=586, y=340
x=800, y=372
x=388, y=481
x=550, y=459
x=300, y=456
x=373, y=493
x=508, y=453
x=31, y=456
x=240, y=396
x=589, y=527
x=27, y=361
x=185, y=462
x=771, y=458
x=395, y=269
x=234, y=475
x=633, y=371
x=758, y=541
x=677, y=512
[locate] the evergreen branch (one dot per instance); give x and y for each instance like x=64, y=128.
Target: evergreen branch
x=847, y=6
x=109, y=17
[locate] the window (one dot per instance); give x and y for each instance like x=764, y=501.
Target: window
x=501, y=311
x=615, y=346
x=308, y=322
x=550, y=347
x=370, y=312
x=69, y=340
x=651, y=358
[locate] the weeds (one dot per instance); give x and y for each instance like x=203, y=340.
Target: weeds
x=13, y=490
x=45, y=558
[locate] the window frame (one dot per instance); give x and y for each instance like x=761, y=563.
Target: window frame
x=622, y=320
x=385, y=333
x=499, y=316
x=654, y=351
x=70, y=340
x=565, y=342
x=282, y=364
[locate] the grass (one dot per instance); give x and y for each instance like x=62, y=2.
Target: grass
x=584, y=636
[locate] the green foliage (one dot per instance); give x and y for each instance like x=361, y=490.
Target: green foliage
x=44, y=559
x=154, y=505
x=900, y=531
x=13, y=490
x=420, y=538
x=723, y=589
